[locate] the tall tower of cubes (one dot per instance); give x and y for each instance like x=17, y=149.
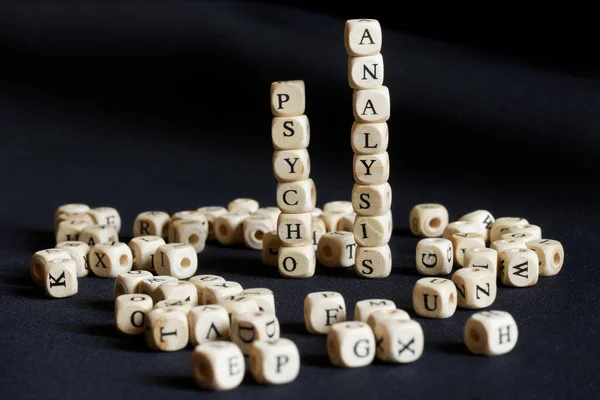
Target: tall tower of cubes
x=371, y=194
x=296, y=193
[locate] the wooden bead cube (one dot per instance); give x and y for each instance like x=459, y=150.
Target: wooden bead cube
x=551, y=255
x=129, y=282
x=38, y=266
x=243, y=205
x=519, y=267
x=351, y=344
x=382, y=315
x=188, y=215
x=371, y=105
x=364, y=308
x=212, y=294
x=346, y=223
x=484, y=218
x=270, y=212
x=71, y=208
x=482, y=258
x=475, y=287
x=190, y=232
x=371, y=169
x=143, y=249
x=296, y=197
x=399, y=341
x=81, y=218
x=270, y=249
x=108, y=260
x=297, y=261
x=130, y=313
x=69, y=231
x=336, y=249
x=264, y=298
x=362, y=37
x=373, y=231
x=274, y=362
x=319, y=229
x=365, y=72
x=369, y=137
x=151, y=223
x=208, y=323
x=295, y=229
x=428, y=220
x=203, y=281
x=255, y=227
x=106, y=216
x=434, y=256
x=150, y=285
x=372, y=200
x=179, y=305
x=252, y=326
x=291, y=165
x=288, y=133
x=373, y=262
x=288, y=98
x=434, y=298
x=518, y=236
x=322, y=310
x=212, y=213
x=229, y=228
x=331, y=219
x=60, y=279
x=79, y=252
x=461, y=227
x=343, y=206
x=166, y=329
x=218, y=366
x=533, y=230
x=461, y=242
x=94, y=234
x=491, y=333
x=503, y=224
x=178, y=290
x=506, y=244
x=238, y=304
x=176, y=259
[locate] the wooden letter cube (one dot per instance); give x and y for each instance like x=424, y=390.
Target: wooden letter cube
x=434, y=298
x=506, y=244
x=533, y=230
x=106, y=216
x=108, y=260
x=491, y=333
x=178, y=290
x=428, y=220
x=475, y=287
x=346, y=223
x=238, y=304
x=372, y=200
x=95, y=234
x=331, y=219
x=255, y=227
x=79, y=252
x=218, y=366
x=188, y=215
x=399, y=341
x=365, y=72
x=373, y=262
x=65, y=217
x=191, y=232
x=264, y=298
x=274, y=362
x=208, y=323
x=519, y=237
x=72, y=208
x=150, y=285
x=484, y=218
x=251, y=326
x=373, y=231
x=322, y=310
x=482, y=258
x=143, y=249
x=351, y=344
x=288, y=98
x=371, y=169
x=362, y=37
x=462, y=242
x=291, y=165
x=369, y=137
x=202, y=281
x=179, y=305
x=60, y=279
x=167, y=329
x=176, y=259
x=297, y=261
x=69, y=231
x=151, y=223
x=289, y=133
x=212, y=294
x=296, y=197
x=503, y=224
x=364, y=308
x=128, y=282
x=229, y=228
x=383, y=315
x=371, y=105
x=270, y=249
x=519, y=267
x=336, y=249
x=212, y=213
x=295, y=229
x=270, y=212
x=461, y=227
x=243, y=205
x=343, y=206
x=130, y=313
x=434, y=257
x=38, y=266
x=551, y=255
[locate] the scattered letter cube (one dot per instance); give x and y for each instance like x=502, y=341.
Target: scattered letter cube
x=249, y=327
x=108, y=260
x=364, y=308
x=151, y=223
x=218, y=366
x=336, y=249
x=428, y=220
x=491, y=333
x=351, y=344
x=434, y=298
x=143, y=249
x=208, y=323
x=322, y=310
x=434, y=257
x=399, y=341
x=255, y=227
x=476, y=287
x=130, y=312
x=270, y=248
x=482, y=258
x=461, y=242
x=191, y=232
x=519, y=267
x=128, y=282
x=167, y=329
x=274, y=362
x=551, y=255
x=79, y=252
x=176, y=259
x=60, y=279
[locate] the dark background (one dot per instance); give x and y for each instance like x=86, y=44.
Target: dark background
x=165, y=106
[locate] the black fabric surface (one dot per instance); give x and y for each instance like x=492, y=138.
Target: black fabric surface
x=166, y=107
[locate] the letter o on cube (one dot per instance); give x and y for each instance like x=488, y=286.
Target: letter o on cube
x=218, y=365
